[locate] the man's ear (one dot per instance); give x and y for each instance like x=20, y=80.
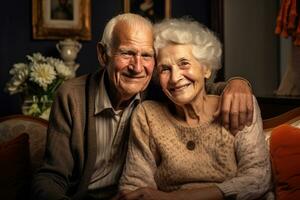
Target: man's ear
x=102, y=54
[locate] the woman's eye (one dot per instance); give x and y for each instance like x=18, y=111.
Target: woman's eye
x=184, y=63
x=164, y=69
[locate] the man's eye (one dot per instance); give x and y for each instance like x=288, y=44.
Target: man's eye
x=147, y=55
x=126, y=54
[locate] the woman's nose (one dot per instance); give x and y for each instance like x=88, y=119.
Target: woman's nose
x=175, y=75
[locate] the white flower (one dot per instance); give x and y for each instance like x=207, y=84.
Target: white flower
x=14, y=88
x=42, y=74
x=36, y=57
x=45, y=114
x=34, y=109
x=62, y=70
x=47, y=73
x=53, y=61
x=19, y=68
x=17, y=83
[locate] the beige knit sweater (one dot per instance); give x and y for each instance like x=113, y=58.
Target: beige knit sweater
x=170, y=155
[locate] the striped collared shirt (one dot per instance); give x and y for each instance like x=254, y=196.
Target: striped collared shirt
x=111, y=149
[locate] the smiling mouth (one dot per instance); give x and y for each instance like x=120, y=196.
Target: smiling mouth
x=133, y=77
x=179, y=88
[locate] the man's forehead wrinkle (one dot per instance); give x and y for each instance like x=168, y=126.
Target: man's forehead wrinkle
x=133, y=26
x=125, y=33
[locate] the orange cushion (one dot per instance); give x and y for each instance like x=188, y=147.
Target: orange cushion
x=15, y=168
x=285, y=157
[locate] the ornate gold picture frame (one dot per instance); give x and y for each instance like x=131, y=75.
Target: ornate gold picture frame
x=59, y=19
x=155, y=10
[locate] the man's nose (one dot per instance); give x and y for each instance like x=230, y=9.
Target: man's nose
x=136, y=64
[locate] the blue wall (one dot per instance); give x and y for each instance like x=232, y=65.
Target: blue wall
x=16, y=38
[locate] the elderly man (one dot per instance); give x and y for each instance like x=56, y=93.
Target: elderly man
x=88, y=130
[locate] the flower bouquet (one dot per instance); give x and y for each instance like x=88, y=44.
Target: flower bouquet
x=37, y=80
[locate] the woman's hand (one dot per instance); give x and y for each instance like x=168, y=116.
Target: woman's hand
x=145, y=193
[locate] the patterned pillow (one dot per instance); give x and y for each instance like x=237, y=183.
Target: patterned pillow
x=15, y=170
x=37, y=132
x=285, y=157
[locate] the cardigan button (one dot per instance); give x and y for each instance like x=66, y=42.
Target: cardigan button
x=190, y=145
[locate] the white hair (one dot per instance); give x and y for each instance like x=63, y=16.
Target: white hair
x=206, y=47
x=133, y=20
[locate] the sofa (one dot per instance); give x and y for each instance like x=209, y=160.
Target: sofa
x=22, y=146
x=283, y=136
x=23, y=139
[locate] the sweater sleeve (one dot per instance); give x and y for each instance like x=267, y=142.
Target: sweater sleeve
x=254, y=171
x=218, y=88
x=140, y=162
x=215, y=88
x=51, y=180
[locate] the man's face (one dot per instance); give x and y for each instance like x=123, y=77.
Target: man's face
x=131, y=61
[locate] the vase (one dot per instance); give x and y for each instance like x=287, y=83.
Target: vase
x=37, y=106
x=68, y=50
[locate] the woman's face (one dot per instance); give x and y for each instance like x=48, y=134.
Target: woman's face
x=181, y=76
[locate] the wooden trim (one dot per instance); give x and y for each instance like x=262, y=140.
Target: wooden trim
x=217, y=25
x=167, y=10
x=41, y=121
x=168, y=6
x=285, y=118
x=43, y=27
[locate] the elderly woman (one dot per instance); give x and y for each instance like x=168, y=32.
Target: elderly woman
x=176, y=149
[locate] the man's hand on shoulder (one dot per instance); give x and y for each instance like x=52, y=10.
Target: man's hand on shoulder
x=236, y=105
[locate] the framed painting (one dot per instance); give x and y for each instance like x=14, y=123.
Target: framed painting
x=59, y=19
x=155, y=10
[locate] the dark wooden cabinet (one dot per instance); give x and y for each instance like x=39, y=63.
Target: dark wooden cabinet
x=272, y=106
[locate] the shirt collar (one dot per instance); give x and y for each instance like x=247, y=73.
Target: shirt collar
x=102, y=101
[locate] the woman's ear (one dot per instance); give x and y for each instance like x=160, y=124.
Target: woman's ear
x=102, y=54
x=207, y=72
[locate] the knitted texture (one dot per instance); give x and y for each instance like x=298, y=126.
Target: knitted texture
x=180, y=166
x=169, y=155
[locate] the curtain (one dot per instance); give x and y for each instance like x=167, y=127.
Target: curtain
x=288, y=25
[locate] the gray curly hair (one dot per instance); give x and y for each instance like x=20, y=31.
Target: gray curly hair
x=206, y=46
